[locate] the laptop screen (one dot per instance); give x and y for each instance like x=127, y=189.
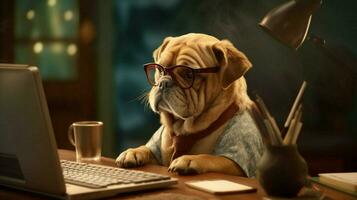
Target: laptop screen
x=28, y=151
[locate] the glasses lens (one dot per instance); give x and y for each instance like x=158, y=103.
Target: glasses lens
x=183, y=76
x=153, y=74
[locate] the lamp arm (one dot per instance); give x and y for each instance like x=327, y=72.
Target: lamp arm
x=320, y=44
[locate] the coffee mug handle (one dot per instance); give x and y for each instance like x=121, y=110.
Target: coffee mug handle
x=71, y=135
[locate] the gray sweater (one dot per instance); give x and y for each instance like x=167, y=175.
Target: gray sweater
x=240, y=141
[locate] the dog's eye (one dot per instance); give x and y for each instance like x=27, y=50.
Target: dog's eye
x=184, y=76
x=153, y=75
x=184, y=73
x=188, y=75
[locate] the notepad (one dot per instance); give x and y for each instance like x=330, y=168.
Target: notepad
x=220, y=186
x=347, y=181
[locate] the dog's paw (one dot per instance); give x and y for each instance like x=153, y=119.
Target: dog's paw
x=187, y=165
x=132, y=158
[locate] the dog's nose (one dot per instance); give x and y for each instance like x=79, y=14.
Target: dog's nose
x=165, y=82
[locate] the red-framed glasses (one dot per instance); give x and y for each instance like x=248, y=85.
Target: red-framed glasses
x=183, y=76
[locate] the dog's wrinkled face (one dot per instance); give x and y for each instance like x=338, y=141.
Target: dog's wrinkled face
x=196, y=51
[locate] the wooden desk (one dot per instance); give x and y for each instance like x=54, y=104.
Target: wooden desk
x=181, y=188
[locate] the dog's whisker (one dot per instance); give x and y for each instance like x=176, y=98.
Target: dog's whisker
x=143, y=98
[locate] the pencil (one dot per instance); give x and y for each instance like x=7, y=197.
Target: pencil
x=270, y=131
x=276, y=135
x=294, y=125
x=293, y=108
x=297, y=133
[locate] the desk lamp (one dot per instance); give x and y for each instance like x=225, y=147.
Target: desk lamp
x=289, y=22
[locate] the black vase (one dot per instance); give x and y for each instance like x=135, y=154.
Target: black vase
x=282, y=172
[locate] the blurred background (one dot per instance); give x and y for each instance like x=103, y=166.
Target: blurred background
x=91, y=56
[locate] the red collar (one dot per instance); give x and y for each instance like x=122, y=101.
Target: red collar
x=183, y=143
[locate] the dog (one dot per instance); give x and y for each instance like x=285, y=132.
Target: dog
x=199, y=91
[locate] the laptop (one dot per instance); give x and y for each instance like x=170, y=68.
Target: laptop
x=28, y=151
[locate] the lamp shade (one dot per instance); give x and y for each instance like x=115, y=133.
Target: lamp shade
x=289, y=22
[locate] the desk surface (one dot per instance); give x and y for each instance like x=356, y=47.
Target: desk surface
x=176, y=191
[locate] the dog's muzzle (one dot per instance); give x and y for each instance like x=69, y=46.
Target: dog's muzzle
x=165, y=83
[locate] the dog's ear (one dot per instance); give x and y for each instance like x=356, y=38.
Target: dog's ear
x=161, y=48
x=233, y=63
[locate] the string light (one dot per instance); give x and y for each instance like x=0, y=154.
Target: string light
x=68, y=15
x=51, y=2
x=30, y=14
x=38, y=47
x=72, y=49
x=57, y=47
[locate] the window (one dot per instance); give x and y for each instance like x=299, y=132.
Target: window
x=46, y=36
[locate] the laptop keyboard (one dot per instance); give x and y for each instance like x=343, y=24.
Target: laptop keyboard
x=98, y=176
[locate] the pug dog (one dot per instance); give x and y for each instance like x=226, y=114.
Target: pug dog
x=199, y=91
